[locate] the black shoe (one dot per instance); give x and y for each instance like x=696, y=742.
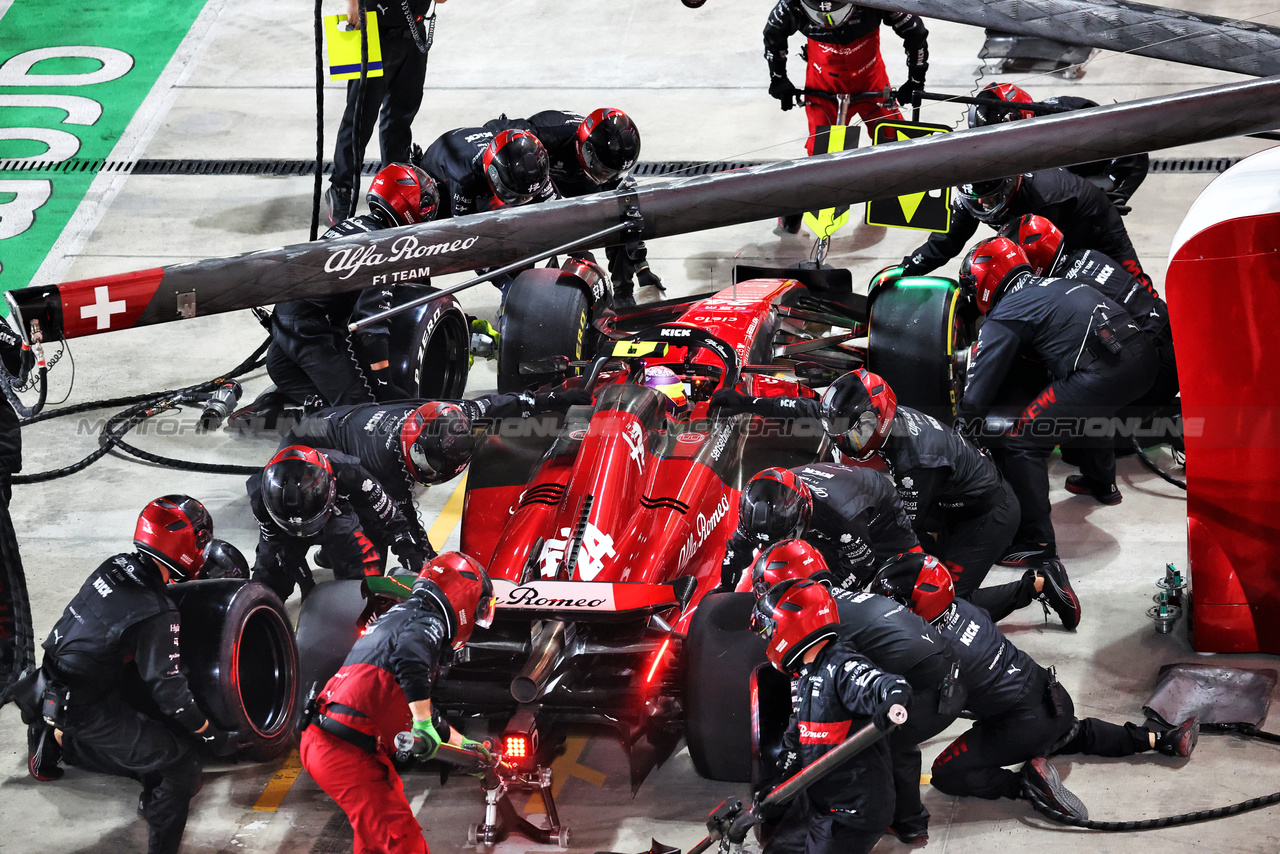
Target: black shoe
x=340, y=203
x=1041, y=779
x=912, y=830
x=43, y=753
x=1180, y=740
x=1058, y=595
x=790, y=223
x=1078, y=484
x=624, y=302
x=1027, y=554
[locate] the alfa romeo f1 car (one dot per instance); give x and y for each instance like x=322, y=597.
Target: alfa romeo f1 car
x=604, y=530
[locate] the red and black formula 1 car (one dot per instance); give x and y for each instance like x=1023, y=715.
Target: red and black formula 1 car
x=604, y=529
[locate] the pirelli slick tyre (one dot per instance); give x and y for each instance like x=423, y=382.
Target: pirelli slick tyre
x=241, y=660
x=918, y=340
x=546, y=312
x=430, y=347
x=720, y=654
x=328, y=626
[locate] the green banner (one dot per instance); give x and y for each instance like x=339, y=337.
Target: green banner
x=72, y=76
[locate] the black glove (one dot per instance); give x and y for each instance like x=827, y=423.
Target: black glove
x=907, y=91
x=899, y=696
x=732, y=400
x=1120, y=201
x=220, y=742
x=385, y=389
x=767, y=814
x=780, y=87
x=646, y=277
x=562, y=399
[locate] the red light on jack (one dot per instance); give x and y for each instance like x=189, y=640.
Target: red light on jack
x=516, y=747
x=657, y=659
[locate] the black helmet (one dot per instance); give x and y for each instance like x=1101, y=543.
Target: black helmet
x=989, y=201
x=298, y=489
x=517, y=167
x=828, y=13
x=223, y=560
x=436, y=441
x=608, y=144
x=776, y=505
x=857, y=413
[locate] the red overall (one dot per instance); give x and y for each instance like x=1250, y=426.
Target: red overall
x=844, y=69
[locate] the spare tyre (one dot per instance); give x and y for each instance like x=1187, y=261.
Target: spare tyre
x=430, y=346
x=241, y=659
x=720, y=655
x=328, y=626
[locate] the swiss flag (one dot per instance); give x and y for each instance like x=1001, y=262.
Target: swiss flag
x=90, y=306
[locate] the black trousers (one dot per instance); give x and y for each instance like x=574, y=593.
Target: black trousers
x=396, y=95
x=804, y=830
x=111, y=737
x=973, y=764
x=309, y=356
x=1072, y=410
x=923, y=723
x=1161, y=400
x=350, y=553
x=1001, y=600
x=17, y=636
x=970, y=545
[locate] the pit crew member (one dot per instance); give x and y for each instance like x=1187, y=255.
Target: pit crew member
x=851, y=515
x=1119, y=178
x=957, y=502
x=122, y=618
x=1080, y=210
x=836, y=691
x=384, y=688
x=1022, y=712
x=478, y=170
x=1098, y=360
x=310, y=496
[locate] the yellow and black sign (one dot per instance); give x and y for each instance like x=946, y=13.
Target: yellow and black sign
x=828, y=139
x=924, y=211
x=344, y=47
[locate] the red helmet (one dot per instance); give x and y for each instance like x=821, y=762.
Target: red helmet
x=989, y=201
x=775, y=505
x=405, y=194
x=989, y=268
x=1040, y=240
x=917, y=580
x=298, y=490
x=436, y=441
x=175, y=531
x=857, y=413
x=460, y=587
x=792, y=617
x=992, y=112
x=608, y=144
x=517, y=167
x=783, y=560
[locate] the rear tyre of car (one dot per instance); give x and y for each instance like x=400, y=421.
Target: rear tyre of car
x=544, y=314
x=917, y=338
x=430, y=347
x=241, y=660
x=328, y=626
x=720, y=654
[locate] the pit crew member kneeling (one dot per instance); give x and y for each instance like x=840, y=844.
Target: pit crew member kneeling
x=1098, y=359
x=122, y=618
x=309, y=496
x=837, y=691
x=384, y=688
x=1022, y=712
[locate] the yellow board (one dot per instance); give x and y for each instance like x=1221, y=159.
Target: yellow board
x=344, y=47
x=828, y=221
x=637, y=349
x=924, y=211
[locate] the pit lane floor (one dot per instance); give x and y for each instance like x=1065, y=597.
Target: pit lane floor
x=695, y=83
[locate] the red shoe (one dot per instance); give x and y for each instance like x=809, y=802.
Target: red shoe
x=1180, y=740
x=1106, y=493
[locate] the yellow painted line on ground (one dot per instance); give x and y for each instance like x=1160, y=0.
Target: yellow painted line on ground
x=926, y=779
x=280, y=783
x=564, y=767
x=450, y=515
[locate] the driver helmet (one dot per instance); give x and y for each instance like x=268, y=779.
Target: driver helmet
x=666, y=382
x=787, y=559
x=917, y=580
x=775, y=505
x=993, y=112
x=828, y=14
x=989, y=268
x=175, y=531
x=989, y=201
x=299, y=489
x=607, y=144
x=517, y=167
x=436, y=441
x=792, y=618
x=461, y=589
x=1040, y=240
x=857, y=413
x=404, y=194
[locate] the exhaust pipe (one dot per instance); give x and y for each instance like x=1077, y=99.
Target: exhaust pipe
x=547, y=653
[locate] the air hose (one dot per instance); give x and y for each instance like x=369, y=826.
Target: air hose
x=1246, y=730
x=1151, y=466
x=140, y=408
